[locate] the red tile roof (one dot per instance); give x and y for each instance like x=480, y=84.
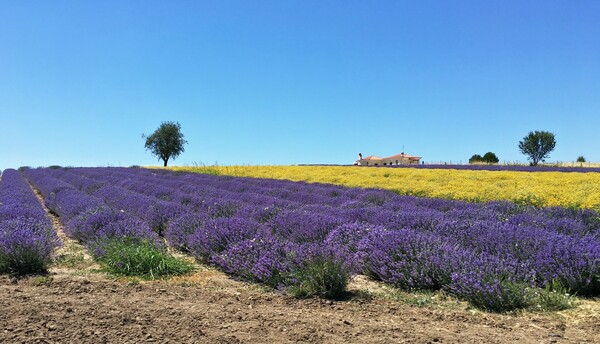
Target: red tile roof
x=402, y=155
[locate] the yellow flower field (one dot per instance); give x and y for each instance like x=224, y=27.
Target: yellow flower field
x=536, y=188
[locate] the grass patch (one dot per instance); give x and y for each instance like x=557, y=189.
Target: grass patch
x=41, y=280
x=141, y=258
x=72, y=261
x=73, y=256
x=323, y=277
x=417, y=299
x=554, y=297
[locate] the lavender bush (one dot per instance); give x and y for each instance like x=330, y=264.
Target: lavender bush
x=323, y=274
x=409, y=259
x=27, y=238
x=26, y=246
x=181, y=228
x=490, y=283
x=264, y=259
x=215, y=235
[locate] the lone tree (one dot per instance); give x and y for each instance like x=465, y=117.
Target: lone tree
x=166, y=142
x=537, y=145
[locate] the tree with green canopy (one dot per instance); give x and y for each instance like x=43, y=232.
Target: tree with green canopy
x=537, y=145
x=166, y=142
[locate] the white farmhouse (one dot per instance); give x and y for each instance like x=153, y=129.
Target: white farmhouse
x=398, y=159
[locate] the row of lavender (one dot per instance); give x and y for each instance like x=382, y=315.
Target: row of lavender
x=27, y=237
x=276, y=231
x=89, y=219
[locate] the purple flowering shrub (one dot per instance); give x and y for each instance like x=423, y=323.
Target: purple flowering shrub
x=302, y=226
x=27, y=238
x=26, y=246
x=180, y=229
x=490, y=283
x=260, y=213
x=220, y=207
x=574, y=263
x=263, y=259
x=215, y=235
x=344, y=242
x=84, y=226
x=12, y=211
x=322, y=272
x=410, y=260
x=68, y=203
x=303, y=269
x=157, y=213
x=160, y=213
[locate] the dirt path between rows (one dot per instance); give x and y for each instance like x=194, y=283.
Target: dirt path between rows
x=76, y=303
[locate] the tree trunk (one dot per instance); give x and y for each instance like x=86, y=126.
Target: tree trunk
x=165, y=160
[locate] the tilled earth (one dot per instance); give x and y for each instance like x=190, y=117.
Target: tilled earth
x=208, y=307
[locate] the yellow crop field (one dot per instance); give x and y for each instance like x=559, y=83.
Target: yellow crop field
x=536, y=188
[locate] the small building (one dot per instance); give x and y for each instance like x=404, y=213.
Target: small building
x=398, y=159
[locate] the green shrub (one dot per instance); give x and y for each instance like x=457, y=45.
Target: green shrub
x=132, y=258
x=321, y=276
x=475, y=158
x=490, y=158
x=554, y=297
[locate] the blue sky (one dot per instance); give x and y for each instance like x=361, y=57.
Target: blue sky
x=292, y=82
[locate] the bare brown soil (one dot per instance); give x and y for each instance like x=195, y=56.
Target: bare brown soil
x=75, y=303
x=208, y=307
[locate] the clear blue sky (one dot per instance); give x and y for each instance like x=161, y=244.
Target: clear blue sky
x=291, y=82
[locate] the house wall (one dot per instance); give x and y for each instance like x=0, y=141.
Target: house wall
x=387, y=162
x=364, y=162
x=399, y=161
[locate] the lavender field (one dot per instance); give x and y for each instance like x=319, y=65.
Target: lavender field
x=309, y=239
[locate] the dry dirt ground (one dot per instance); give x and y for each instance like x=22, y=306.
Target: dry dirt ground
x=77, y=303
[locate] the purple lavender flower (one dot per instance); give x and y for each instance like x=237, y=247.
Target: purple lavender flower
x=216, y=235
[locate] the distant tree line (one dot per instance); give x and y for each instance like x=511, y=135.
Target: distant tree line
x=537, y=146
x=487, y=158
